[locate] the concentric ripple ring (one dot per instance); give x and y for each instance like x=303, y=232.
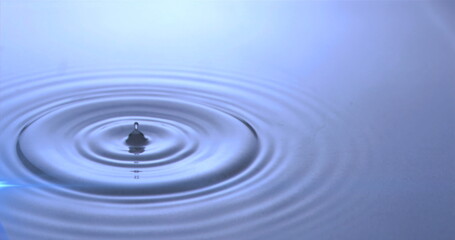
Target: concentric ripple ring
x=225, y=154
x=77, y=137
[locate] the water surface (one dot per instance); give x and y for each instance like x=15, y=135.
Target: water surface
x=260, y=120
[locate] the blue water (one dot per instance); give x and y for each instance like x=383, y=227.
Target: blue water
x=3, y=233
x=255, y=120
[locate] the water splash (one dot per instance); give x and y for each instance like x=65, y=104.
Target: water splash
x=136, y=137
x=136, y=140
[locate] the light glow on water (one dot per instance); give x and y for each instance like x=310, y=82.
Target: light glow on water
x=5, y=185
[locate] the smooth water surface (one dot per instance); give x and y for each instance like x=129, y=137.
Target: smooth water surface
x=227, y=120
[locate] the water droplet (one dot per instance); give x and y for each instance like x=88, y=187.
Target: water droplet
x=136, y=138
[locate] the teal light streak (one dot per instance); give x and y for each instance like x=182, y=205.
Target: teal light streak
x=5, y=185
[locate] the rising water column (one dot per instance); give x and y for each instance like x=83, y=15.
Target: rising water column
x=136, y=140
